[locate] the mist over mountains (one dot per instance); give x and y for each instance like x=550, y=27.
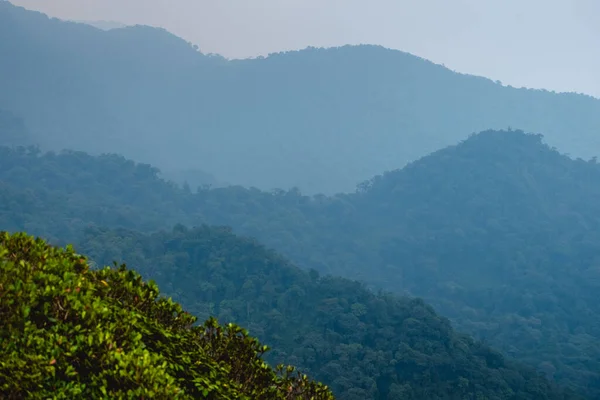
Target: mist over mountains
x=499, y=233
x=463, y=263
x=392, y=228
x=318, y=119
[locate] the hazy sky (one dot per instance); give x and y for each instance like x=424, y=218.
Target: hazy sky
x=551, y=44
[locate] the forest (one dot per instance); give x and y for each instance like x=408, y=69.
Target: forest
x=365, y=345
x=70, y=332
x=352, y=222
x=73, y=330
x=318, y=119
x=497, y=233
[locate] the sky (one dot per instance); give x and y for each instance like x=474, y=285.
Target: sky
x=551, y=44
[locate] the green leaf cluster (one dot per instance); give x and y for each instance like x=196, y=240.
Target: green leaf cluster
x=68, y=332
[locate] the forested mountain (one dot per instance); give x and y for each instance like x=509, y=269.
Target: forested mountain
x=318, y=119
x=70, y=332
x=500, y=233
x=366, y=346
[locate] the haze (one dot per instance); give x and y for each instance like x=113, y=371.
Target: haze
x=538, y=43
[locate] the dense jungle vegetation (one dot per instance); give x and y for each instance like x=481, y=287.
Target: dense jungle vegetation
x=498, y=233
x=70, y=332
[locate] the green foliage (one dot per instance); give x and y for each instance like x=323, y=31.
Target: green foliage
x=71, y=189
x=70, y=332
x=318, y=119
x=363, y=345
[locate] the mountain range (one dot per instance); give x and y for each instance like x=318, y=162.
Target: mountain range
x=321, y=120
x=393, y=228
x=498, y=233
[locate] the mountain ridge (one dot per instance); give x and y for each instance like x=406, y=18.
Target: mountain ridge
x=364, y=345
x=318, y=119
x=498, y=233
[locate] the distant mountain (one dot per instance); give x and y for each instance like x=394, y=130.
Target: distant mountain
x=500, y=233
x=319, y=119
x=97, y=90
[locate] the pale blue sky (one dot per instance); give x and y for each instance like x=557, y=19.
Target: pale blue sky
x=549, y=44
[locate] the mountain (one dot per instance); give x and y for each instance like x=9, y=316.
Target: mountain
x=68, y=331
x=361, y=344
x=366, y=345
x=499, y=233
x=318, y=119
x=97, y=89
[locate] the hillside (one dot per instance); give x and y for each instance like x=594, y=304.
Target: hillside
x=80, y=87
x=362, y=345
x=500, y=233
x=67, y=331
x=318, y=119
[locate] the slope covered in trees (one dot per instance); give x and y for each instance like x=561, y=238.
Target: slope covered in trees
x=319, y=119
x=67, y=331
x=363, y=345
x=499, y=233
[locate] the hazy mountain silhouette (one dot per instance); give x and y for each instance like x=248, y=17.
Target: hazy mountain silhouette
x=319, y=119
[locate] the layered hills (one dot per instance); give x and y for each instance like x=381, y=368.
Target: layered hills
x=499, y=233
x=318, y=119
x=362, y=344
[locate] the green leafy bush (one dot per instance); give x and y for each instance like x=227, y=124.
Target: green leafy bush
x=67, y=331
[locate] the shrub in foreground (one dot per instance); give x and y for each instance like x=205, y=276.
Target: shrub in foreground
x=68, y=331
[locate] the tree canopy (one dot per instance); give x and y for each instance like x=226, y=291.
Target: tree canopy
x=364, y=345
x=499, y=233
x=68, y=331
